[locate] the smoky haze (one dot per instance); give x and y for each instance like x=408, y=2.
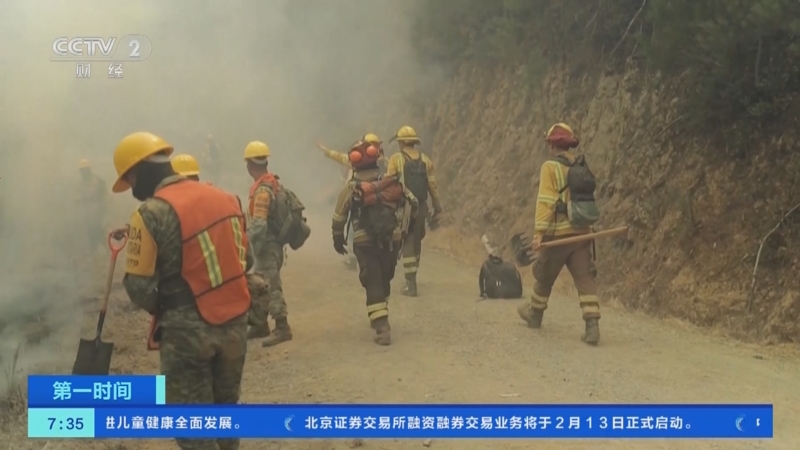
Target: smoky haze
x=288, y=72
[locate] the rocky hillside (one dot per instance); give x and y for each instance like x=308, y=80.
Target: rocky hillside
x=698, y=211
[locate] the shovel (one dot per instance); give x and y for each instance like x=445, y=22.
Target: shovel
x=94, y=355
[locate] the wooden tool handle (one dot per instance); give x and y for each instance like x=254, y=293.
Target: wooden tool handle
x=585, y=237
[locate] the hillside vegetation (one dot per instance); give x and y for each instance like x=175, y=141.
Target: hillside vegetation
x=687, y=111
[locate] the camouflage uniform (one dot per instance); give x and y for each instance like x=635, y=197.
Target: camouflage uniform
x=269, y=256
x=203, y=364
x=400, y=164
x=376, y=260
x=259, y=308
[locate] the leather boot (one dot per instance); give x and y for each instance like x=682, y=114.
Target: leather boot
x=410, y=289
x=383, y=332
x=533, y=317
x=281, y=333
x=258, y=332
x=592, y=334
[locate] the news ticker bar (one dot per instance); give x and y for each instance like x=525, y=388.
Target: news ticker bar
x=406, y=421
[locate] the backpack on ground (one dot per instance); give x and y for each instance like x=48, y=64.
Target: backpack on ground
x=415, y=177
x=581, y=210
x=499, y=279
x=377, y=207
x=291, y=227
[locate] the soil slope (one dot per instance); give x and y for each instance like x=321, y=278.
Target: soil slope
x=697, y=212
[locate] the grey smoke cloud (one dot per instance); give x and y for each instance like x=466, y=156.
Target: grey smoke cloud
x=287, y=72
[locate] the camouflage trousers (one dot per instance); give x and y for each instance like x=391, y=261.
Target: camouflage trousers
x=577, y=258
x=376, y=270
x=269, y=266
x=412, y=246
x=259, y=300
x=204, y=365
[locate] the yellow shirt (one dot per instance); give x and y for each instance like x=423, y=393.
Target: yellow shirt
x=397, y=162
x=553, y=178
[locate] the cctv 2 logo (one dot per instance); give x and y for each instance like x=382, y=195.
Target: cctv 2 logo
x=129, y=48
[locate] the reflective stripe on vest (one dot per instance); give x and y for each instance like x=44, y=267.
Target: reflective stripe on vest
x=214, y=248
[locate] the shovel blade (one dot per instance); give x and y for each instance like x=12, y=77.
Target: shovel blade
x=94, y=357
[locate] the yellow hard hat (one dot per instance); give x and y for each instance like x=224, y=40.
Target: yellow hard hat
x=372, y=138
x=406, y=134
x=256, y=149
x=84, y=164
x=133, y=149
x=561, y=125
x=185, y=165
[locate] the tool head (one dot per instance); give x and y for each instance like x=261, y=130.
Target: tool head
x=94, y=357
x=523, y=252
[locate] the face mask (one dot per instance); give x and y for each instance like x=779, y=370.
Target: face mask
x=148, y=177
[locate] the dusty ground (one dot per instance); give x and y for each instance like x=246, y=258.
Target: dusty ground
x=451, y=349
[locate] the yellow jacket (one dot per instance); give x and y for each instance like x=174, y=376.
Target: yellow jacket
x=553, y=178
x=339, y=157
x=397, y=162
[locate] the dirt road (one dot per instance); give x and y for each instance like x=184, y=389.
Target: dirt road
x=448, y=348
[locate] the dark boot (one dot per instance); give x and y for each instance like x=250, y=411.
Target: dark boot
x=258, y=332
x=592, y=334
x=383, y=332
x=410, y=289
x=533, y=317
x=281, y=333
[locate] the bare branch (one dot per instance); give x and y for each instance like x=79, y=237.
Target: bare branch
x=761, y=247
x=624, y=35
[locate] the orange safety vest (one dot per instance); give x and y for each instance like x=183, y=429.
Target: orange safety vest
x=268, y=178
x=214, y=248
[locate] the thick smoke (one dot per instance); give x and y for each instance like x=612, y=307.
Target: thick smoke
x=287, y=72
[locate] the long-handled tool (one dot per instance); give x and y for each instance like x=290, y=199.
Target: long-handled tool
x=524, y=254
x=94, y=355
x=585, y=237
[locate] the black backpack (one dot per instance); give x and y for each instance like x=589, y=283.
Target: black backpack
x=415, y=177
x=499, y=279
x=582, y=210
x=287, y=219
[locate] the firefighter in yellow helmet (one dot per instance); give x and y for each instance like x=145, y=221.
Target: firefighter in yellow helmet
x=269, y=252
x=343, y=159
x=201, y=315
x=92, y=205
x=556, y=218
x=415, y=170
x=187, y=166
x=373, y=205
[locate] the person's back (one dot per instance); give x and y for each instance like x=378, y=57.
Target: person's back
x=379, y=210
x=186, y=259
x=186, y=211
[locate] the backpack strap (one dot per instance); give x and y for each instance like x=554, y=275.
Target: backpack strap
x=563, y=160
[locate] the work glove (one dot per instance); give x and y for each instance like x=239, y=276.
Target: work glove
x=340, y=244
